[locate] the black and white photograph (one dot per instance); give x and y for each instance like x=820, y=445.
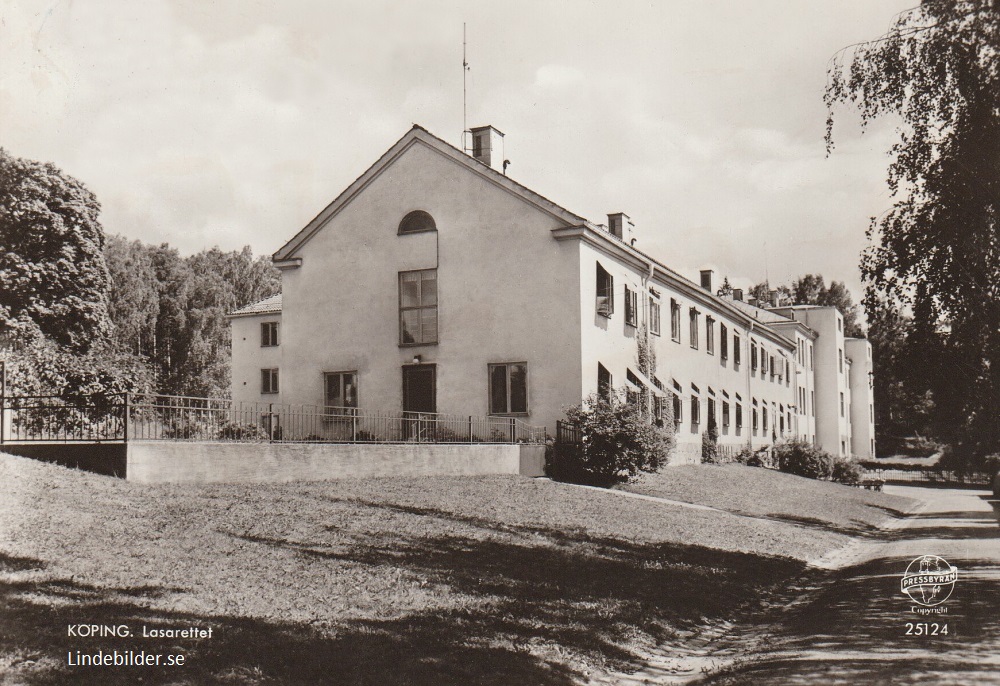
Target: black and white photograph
x=519, y=343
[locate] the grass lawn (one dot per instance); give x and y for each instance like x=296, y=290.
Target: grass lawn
x=460, y=580
x=821, y=505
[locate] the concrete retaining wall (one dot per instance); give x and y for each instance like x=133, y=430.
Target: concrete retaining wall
x=192, y=462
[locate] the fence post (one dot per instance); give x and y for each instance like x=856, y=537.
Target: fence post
x=270, y=422
x=513, y=430
x=3, y=400
x=470, y=428
x=128, y=415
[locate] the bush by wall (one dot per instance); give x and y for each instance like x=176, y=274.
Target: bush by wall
x=803, y=459
x=618, y=443
x=710, y=445
x=847, y=471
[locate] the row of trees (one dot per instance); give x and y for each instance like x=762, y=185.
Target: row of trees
x=81, y=312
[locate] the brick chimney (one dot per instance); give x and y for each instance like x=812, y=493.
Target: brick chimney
x=738, y=294
x=706, y=279
x=487, y=146
x=622, y=227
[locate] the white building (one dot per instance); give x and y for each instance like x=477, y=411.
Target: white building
x=436, y=283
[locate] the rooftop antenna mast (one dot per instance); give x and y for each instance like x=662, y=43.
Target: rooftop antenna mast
x=465, y=69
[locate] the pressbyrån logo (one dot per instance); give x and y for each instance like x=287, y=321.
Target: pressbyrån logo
x=929, y=580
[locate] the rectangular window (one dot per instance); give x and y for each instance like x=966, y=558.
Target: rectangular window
x=841, y=404
x=840, y=360
x=341, y=392
x=631, y=307
x=695, y=411
x=774, y=367
x=654, y=316
x=739, y=416
x=509, y=388
x=710, y=335
x=811, y=357
x=723, y=341
x=418, y=311
x=605, y=292
x=764, y=414
x=678, y=410
x=725, y=413
x=753, y=356
x=812, y=403
x=268, y=334
x=675, y=320
x=693, y=315
x=604, y=382
x=737, y=352
x=268, y=380
x=711, y=412
x=755, y=420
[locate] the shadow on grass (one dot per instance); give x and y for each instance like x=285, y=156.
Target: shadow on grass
x=857, y=527
x=537, y=606
x=854, y=632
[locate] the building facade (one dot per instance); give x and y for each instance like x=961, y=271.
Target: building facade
x=435, y=283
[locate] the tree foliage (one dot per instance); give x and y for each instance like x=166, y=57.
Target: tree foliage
x=171, y=310
x=937, y=250
x=52, y=271
x=618, y=441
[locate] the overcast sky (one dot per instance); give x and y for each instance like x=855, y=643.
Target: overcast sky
x=234, y=122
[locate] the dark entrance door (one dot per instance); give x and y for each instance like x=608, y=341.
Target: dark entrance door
x=419, y=401
x=418, y=388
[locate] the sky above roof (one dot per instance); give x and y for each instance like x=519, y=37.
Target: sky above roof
x=234, y=122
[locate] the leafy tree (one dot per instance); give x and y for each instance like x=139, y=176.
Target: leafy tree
x=812, y=290
x=726, y=289
x=937, y=249
x=133, y=298
x=52, y=269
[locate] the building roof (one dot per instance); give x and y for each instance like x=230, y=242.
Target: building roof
x=760, y=314
x=266, y=306
x=287, y=254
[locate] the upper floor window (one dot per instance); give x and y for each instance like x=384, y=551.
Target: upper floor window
x=840, y=360
x=268, y=380
x=723, y=342
x=654, y=316
x=417, y=221
x=737, y=351
x=753, y=356
x=340, y=392
x=675, y=320
x=710, y=335
x=693, y=314
x=418, y=313
x=268, y=334
x=605, y=292
x=509, y=388
x=631, y=307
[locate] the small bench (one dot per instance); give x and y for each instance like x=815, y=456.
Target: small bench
x=872, y=484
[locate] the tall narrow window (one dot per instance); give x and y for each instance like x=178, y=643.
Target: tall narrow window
x=604, y=381
x=725, y=414
x=268, y=334
x=509, y=388
x=654, y=316
x=723, y=342
x=605, y=292
x=710, y=335
x=268, y=380
x=737, y=352
x=341, y=392
x=675, y=320
x=418, y=307
x=695, y=412
x=693, y=315
x=753, y=356
x=631, y=307
x=840, y=360
x=841, y=404
x=678, y=410
x=739, y=416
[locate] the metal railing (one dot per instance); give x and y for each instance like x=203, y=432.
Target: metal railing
x=929, y=476
x=178, y=418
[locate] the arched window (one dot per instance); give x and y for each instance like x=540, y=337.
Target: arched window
x=417, y=222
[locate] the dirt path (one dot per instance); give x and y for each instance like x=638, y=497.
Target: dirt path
x=852, y=627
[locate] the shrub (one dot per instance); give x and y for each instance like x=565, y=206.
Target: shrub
x=847, y=471
x=710, y=445
x=803, y=459
x=234, y=431
x=618, y=443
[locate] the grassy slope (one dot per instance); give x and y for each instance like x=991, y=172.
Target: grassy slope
x=764, y=493
x=389, y=581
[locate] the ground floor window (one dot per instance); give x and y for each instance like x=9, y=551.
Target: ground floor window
x=604, y=381
x=341, y=395
x=509, y=388
x=268, y=380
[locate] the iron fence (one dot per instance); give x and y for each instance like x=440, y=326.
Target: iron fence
x=178, y=418
x=929, y=476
